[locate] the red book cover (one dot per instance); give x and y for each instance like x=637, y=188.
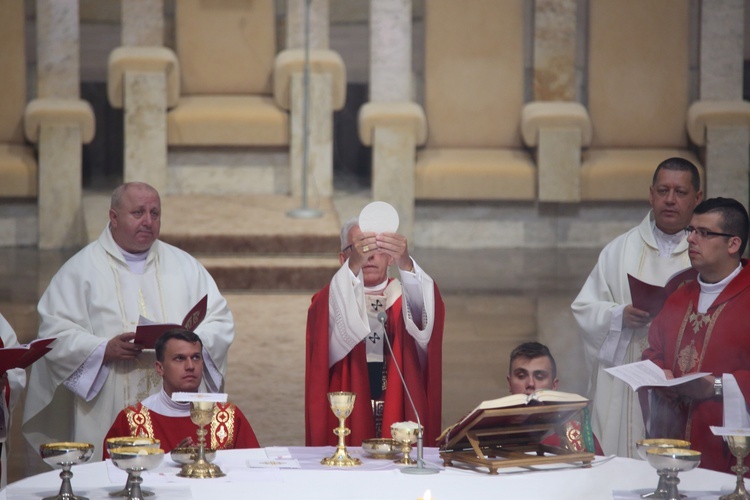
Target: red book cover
x=651, y=298
x=148, y=334
x=21, y=356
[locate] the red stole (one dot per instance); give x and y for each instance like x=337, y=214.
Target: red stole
x=350, y=374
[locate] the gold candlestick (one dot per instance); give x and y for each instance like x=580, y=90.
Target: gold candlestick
x=342, y=404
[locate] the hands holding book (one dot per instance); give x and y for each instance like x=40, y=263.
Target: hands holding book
x=122, y=347
x=633, y=317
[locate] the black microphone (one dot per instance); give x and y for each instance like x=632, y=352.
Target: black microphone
x=420, y=468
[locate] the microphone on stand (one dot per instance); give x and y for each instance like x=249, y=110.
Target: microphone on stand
x=420, y=468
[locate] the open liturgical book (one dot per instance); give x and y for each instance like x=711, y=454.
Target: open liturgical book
x=534, y=416
x=22, y=356
x=148, y=332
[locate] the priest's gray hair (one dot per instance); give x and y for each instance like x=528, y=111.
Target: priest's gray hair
x=348, y=225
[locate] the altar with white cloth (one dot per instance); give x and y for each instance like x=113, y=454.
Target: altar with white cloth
x=296, y=473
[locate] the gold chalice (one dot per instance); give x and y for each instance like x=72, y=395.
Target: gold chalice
x=118, y=442
x=740, y=447
x=65, y=455
x=648, y=444
x=406, y=434
x=342, y=404
x=201, y=413
x=135, y=460
x=673, y=461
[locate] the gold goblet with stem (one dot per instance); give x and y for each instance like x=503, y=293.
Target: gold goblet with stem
x=201, y=414
x=740, y=447
x=342, y=404
x=128, y=441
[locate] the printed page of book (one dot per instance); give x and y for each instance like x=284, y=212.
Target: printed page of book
x=647, y=374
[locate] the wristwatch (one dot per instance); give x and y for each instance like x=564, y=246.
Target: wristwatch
x=718, y=386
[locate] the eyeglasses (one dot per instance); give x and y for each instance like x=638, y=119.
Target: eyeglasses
x=347, y=247
x=705, y=233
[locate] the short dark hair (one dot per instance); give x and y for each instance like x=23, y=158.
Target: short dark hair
x=734, y=219
x=682, y=165
x=174, y=333
x=533, y=350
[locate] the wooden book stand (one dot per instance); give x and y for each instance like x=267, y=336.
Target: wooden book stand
x=511, y=437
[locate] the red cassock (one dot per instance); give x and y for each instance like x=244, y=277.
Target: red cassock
x=350, y=374
x=228, y=429
x=718, y=342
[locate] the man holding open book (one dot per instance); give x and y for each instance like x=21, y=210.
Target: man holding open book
x=93, y=306
x=613, y=331
x=705, y=327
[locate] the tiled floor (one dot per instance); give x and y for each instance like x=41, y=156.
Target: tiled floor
x=494, y=299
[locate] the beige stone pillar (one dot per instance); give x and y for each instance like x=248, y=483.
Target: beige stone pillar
x=721, y=68
x=57, y=50
x=146, y=128
x=142, y=65
x=320, y=135
x=319, y=24
x=60, y=214
x=558, y=143
x=60, y=206
x=142, y=23
x=554, y=50
x=394, y=141
x=393, y=151
x=390, y=51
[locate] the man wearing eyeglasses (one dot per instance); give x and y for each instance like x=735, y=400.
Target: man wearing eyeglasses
x=613, y=331
x=347, y=324
x=705, y=327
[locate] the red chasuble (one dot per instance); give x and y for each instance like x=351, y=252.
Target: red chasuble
x=684, y=341
x=229, y=428
x=350, y=374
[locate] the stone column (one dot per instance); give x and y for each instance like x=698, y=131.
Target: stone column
x=558, y=155
x=142, y=23
x=393, y=144
x=721, y=67
x=320, y=135
x=555, y=50
x=61, y=221
x=58, y=48
x=144, y=90
x=146, y=128
x=60, y=215
x=295, y=24
x=390, y=51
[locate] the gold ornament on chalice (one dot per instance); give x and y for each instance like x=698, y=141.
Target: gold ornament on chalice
x=342, y=404
x=201, y=413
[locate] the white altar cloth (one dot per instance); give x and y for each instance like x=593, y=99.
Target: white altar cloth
x=375, y=479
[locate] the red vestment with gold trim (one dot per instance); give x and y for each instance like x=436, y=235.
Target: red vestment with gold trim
x=228, y=429
x=718, y=342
